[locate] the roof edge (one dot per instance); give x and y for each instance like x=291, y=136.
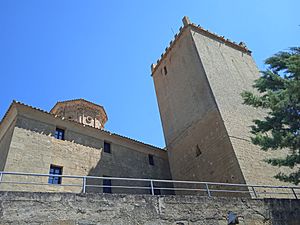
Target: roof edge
x=7, y=119
x=99, y=130
x=80, y=99
x=7, y=111
x=241, y=46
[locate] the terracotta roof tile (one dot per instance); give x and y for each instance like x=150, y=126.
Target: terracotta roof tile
x=78, y=99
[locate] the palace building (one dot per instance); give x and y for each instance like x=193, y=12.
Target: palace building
x=198, y=81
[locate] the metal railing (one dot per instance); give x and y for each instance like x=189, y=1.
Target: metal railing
x=86, y=184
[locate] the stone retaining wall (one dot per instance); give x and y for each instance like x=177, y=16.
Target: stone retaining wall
x=89, y=209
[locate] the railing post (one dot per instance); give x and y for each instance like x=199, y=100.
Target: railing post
x=84, y=184
x=254, y=192
x=1, y=174
x=294, y=193
x=207, y=189
x=152, y=188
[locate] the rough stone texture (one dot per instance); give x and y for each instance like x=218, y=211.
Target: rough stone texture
x=198, y=84
x=202, y=112
x=229, y=73
x=5, y=145
x=81, y=111
x=191, y=119
x=104, y=209
x=33, y=148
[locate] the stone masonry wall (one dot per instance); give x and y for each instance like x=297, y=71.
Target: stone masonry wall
x=197, y=142
x=5, y=144
x=33, y=148
x=229, y=73
x=105, y=209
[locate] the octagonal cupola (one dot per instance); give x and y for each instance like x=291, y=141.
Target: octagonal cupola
x=81, y=111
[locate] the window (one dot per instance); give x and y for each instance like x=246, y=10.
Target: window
x=198, y=151
x=88, y=119
x=151, y=160
x=165, y=70
x=107, y=147
x=60, y=134
x=107, y=184
x=55, y=170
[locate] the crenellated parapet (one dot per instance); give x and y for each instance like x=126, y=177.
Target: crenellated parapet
x=241, y=46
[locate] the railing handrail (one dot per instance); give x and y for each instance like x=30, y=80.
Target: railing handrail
x=208, y=186
x=147, y=180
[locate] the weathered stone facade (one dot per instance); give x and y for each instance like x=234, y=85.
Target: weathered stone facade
x=28, y=145
x=198, y=82
x=81, y=111
x=104, y=209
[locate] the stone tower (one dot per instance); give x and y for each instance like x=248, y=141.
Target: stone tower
x=81, y=111
x=198, y=81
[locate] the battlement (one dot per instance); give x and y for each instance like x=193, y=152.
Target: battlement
x=241, y=46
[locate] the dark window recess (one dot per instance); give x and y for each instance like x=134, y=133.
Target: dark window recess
x=60, y=134
x=198, y=151
x=107, y=184
x=55, y=170
x=165, y=70
x=107, y=148
x=157, y=191
x=151, y=160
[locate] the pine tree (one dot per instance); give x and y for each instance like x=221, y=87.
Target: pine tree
x=279, y=93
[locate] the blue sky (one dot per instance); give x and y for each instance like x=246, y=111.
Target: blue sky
x=102, y=50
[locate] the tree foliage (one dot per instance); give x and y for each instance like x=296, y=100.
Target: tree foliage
x=279, y=93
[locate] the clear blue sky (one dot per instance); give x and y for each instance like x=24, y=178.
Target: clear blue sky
x=102, y=50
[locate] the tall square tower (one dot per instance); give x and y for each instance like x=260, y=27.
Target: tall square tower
x=198, y=82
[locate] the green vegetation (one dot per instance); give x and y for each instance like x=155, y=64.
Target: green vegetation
x=279, y=94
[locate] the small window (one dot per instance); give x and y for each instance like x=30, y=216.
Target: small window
x=60, y=134
x=55, y=170
x=107, y=148
x=89, y=119
x=107, y=185
x=151, y=160
x=165, y=70
x=198, y=151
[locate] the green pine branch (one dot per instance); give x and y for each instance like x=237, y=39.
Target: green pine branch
x=278, y=91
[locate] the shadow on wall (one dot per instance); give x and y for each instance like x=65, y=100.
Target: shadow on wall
x=114, y=161
x=122, y=162
x=284, y=211
x=108, y=167
x=5, y=145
